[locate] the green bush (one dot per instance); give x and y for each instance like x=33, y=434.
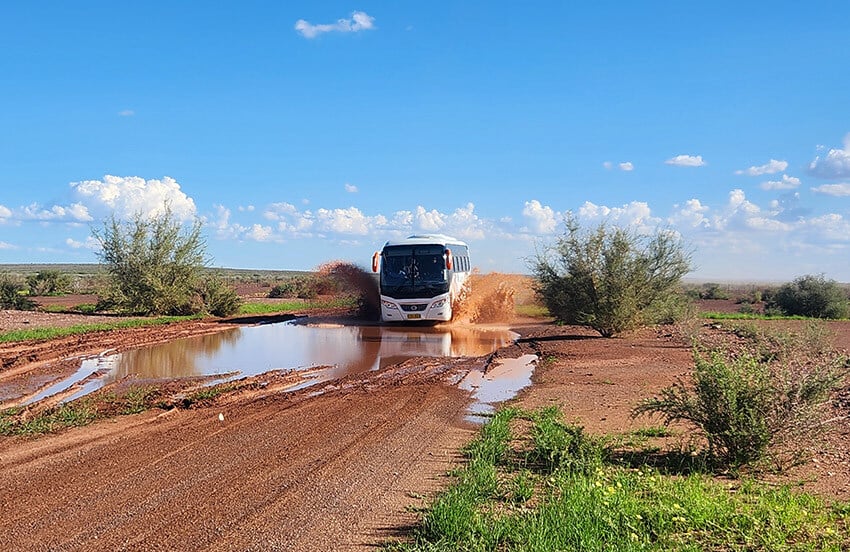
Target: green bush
x=813, y=296
x=609, y=279
x=219, y=298
x=48, y=282
x=301, y=287
x=12, y=295
x=154, y=266
x=713, y=291
x=764, y=402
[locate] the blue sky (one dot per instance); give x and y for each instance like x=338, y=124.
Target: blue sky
x=301, y=132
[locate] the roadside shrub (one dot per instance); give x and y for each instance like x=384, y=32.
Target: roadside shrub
x=48, y=282
x=713, y=291
x=219, y=298
x=766, y=401
x=154, y=266
x=12, y=295
x=813, y=296
x=301, y=287
x=608, y=278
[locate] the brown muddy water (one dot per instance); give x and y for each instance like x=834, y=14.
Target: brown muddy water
x=322, y=352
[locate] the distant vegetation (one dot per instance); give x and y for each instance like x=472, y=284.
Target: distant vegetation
x=609, y=278
x=13, y=294
x=813, y=296
x=48, y=282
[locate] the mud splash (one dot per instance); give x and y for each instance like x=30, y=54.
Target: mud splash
x=356, y=282
x=489, y=298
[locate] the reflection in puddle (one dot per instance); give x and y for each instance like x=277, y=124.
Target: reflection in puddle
x=257, y=349
x=501, y=382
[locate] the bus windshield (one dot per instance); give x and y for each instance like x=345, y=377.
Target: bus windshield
x=405, y=265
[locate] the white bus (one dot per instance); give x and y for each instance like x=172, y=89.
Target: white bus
x=421, y=277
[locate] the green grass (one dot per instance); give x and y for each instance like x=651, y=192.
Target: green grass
x=206, y=394
x=749, y=316
x=82, y=308
x=551, y=487
x=290, y=306
x=100, y=406
x=532, y=310
x=51, y=333
x=64, y=416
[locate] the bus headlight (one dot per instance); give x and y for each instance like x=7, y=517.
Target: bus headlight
x=438, y=304
x=389, y=305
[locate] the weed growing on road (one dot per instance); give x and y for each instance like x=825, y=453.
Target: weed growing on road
x=54, y=419
x=139, y=399
x=500, y=500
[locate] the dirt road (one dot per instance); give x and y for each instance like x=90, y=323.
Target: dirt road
x=279, y=473
x=304, y=471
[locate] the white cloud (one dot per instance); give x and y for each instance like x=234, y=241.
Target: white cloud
x=126, y=113
x=636, y=214
x=402, y=220
x=787, y=183
x=350, y=188
x=131, y=195
x=347, y=221
x=837, y=190
x=5, y=214
x=727, y=237
x=89, y=243
x=76, y=212
x=542, y=218
x=6, y=246
x=771, y=167
x=430, y=221
x=359, y=21
x=832, y=226
x=290, y=220
x=465, y=224
x=624, y=166
x=692, y=214
x=836, y=164
x=686, y=161
x=260, y=233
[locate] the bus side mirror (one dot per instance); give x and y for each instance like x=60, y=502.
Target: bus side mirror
x=449, y=260
x=375, y=261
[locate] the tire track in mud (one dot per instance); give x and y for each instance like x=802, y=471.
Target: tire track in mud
x=279, y=472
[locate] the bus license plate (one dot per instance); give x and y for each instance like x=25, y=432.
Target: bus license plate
x=414, y=316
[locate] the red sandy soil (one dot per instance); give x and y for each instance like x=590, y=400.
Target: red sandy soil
x=263, y=469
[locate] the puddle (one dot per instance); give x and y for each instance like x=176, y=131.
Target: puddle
x=254, y=350
x=502, y=381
